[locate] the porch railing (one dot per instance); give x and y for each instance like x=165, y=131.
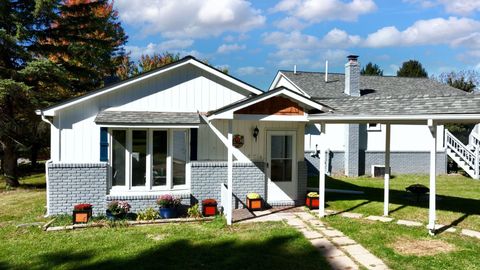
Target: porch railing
x=469, y=157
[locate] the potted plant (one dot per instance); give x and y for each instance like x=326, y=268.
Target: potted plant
x=312, y=200
x=82, y=213
x=209, y=207
x=168, y=206
x=117, y=209
x=254, y=201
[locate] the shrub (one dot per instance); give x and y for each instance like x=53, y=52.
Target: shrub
x=118, y=207
x=313, y=195
x=168, y=201
x=253, y=195
x=147, y=214
x=194, y=212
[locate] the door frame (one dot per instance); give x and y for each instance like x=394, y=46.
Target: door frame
x=294, y=181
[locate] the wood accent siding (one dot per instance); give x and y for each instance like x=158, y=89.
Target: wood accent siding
x=273, y=106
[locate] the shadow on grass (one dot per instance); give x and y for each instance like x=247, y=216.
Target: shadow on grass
x=273, y=253
x=465, y=206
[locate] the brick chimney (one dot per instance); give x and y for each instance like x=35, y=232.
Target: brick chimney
x=352, y=76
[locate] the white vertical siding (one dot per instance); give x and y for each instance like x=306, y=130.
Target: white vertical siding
x=186, y=89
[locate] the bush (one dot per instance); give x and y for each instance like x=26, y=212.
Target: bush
x=194, y=212
x=147, y=214
x=168, y=201
x=118, y=207
x=253, y=195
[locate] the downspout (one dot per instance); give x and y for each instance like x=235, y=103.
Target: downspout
x=44, y=119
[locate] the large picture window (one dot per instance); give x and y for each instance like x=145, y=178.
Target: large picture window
x=148, y=159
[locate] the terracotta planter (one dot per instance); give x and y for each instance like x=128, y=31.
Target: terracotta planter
x=312, y=202
x=254, y=204
x=81, y=216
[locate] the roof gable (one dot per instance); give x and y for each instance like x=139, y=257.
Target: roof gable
x=189, y=60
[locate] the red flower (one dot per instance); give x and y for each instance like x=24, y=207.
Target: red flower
x=82, y=206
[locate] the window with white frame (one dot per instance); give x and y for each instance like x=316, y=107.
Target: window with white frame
x=148, y=159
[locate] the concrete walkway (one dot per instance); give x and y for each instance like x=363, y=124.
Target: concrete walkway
x=340, y=251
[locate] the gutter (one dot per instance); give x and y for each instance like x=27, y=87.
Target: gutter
x=44, y=119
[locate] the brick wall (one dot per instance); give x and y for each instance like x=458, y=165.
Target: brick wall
x=70, y=184
x=207, y=177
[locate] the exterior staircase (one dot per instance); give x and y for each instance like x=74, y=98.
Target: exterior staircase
x=466, y=156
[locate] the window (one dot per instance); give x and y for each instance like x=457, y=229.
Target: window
x=374, y=127
x=281, y=158
x=146, y=159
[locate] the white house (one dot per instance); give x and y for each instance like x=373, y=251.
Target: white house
x=191, y=130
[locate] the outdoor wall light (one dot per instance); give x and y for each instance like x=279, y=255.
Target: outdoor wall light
x=255, y=133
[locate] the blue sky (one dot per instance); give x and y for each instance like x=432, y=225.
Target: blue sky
x=254, y=39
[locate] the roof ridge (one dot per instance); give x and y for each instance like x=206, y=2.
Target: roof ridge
x=396, y=97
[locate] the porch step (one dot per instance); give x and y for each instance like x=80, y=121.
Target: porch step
x=461, y=163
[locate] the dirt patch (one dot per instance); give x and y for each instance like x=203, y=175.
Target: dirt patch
x=421, y=247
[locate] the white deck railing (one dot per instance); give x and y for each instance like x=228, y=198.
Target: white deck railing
x=474, y=139
x=471, y=158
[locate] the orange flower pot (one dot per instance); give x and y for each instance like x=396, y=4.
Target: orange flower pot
x=254, y=204
x=312, y=202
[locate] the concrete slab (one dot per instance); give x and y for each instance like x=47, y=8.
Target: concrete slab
x=342, y=263
x=351, y=215
x=379, y=218
x=370, y=261
x=441, y=226
x=471, y=233
x=409, y=223
x=309, y=234
x=331, y=232
x=343, y=241
x=354, y=250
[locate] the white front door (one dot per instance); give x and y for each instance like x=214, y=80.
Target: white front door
x=281, y=166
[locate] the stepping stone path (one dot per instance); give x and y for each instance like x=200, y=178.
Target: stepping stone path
x=340, y=251
x=379, y=218
x=409, y=223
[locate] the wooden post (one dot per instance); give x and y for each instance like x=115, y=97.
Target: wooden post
x=433, y=173
x=387, y=170
x=230, y=173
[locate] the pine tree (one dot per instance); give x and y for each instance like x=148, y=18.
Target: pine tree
x=371, y=70
x=412, y=68
x=87, y=40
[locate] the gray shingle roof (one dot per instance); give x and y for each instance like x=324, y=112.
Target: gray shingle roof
x=405, y=105
x=145, y=118
x=313, y=83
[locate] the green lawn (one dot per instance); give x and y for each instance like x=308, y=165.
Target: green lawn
x=458, y=204
x=178, y=246
x=382, y=238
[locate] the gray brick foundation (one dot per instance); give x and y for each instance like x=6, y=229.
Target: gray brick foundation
x=401, y=162
x=208, y=176
x=302, y=181
x=70, y=184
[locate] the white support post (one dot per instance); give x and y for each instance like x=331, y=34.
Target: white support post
x=230, y=173
x=477, y=162
x=321, y=180
x=433, y=173
x=387, y=170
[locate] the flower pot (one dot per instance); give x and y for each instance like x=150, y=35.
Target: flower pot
x=254, y=204
x=168, y=212
x=312, y=202
x=112, y=216
x=209, y=207
x=81, y=216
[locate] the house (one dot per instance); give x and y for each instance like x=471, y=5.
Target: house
x=190, y=130
x=355, y=149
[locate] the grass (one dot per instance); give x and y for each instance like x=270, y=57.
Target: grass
x=212, y=245
x=380, y=239
x=457, y=205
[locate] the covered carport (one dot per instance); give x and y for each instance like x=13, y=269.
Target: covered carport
x=429, y=111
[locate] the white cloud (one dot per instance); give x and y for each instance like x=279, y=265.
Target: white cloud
x=470, y=41
x=457, y=7
x=290, y=23
x=296, y=40
x=249, y=70
x=424, y=32
x=174, y=46
x=228, y=48
x=190, y=18
x=313, y=11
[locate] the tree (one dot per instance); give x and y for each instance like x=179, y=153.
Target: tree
x=87, y=39
x=147, y=63
x=371, y=70
x=412, y=68
x=466, y=80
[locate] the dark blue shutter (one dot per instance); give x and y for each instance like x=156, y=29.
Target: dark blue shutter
x=193, y=143
x=103, y=144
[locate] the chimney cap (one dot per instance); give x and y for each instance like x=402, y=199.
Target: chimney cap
x=352, y=57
